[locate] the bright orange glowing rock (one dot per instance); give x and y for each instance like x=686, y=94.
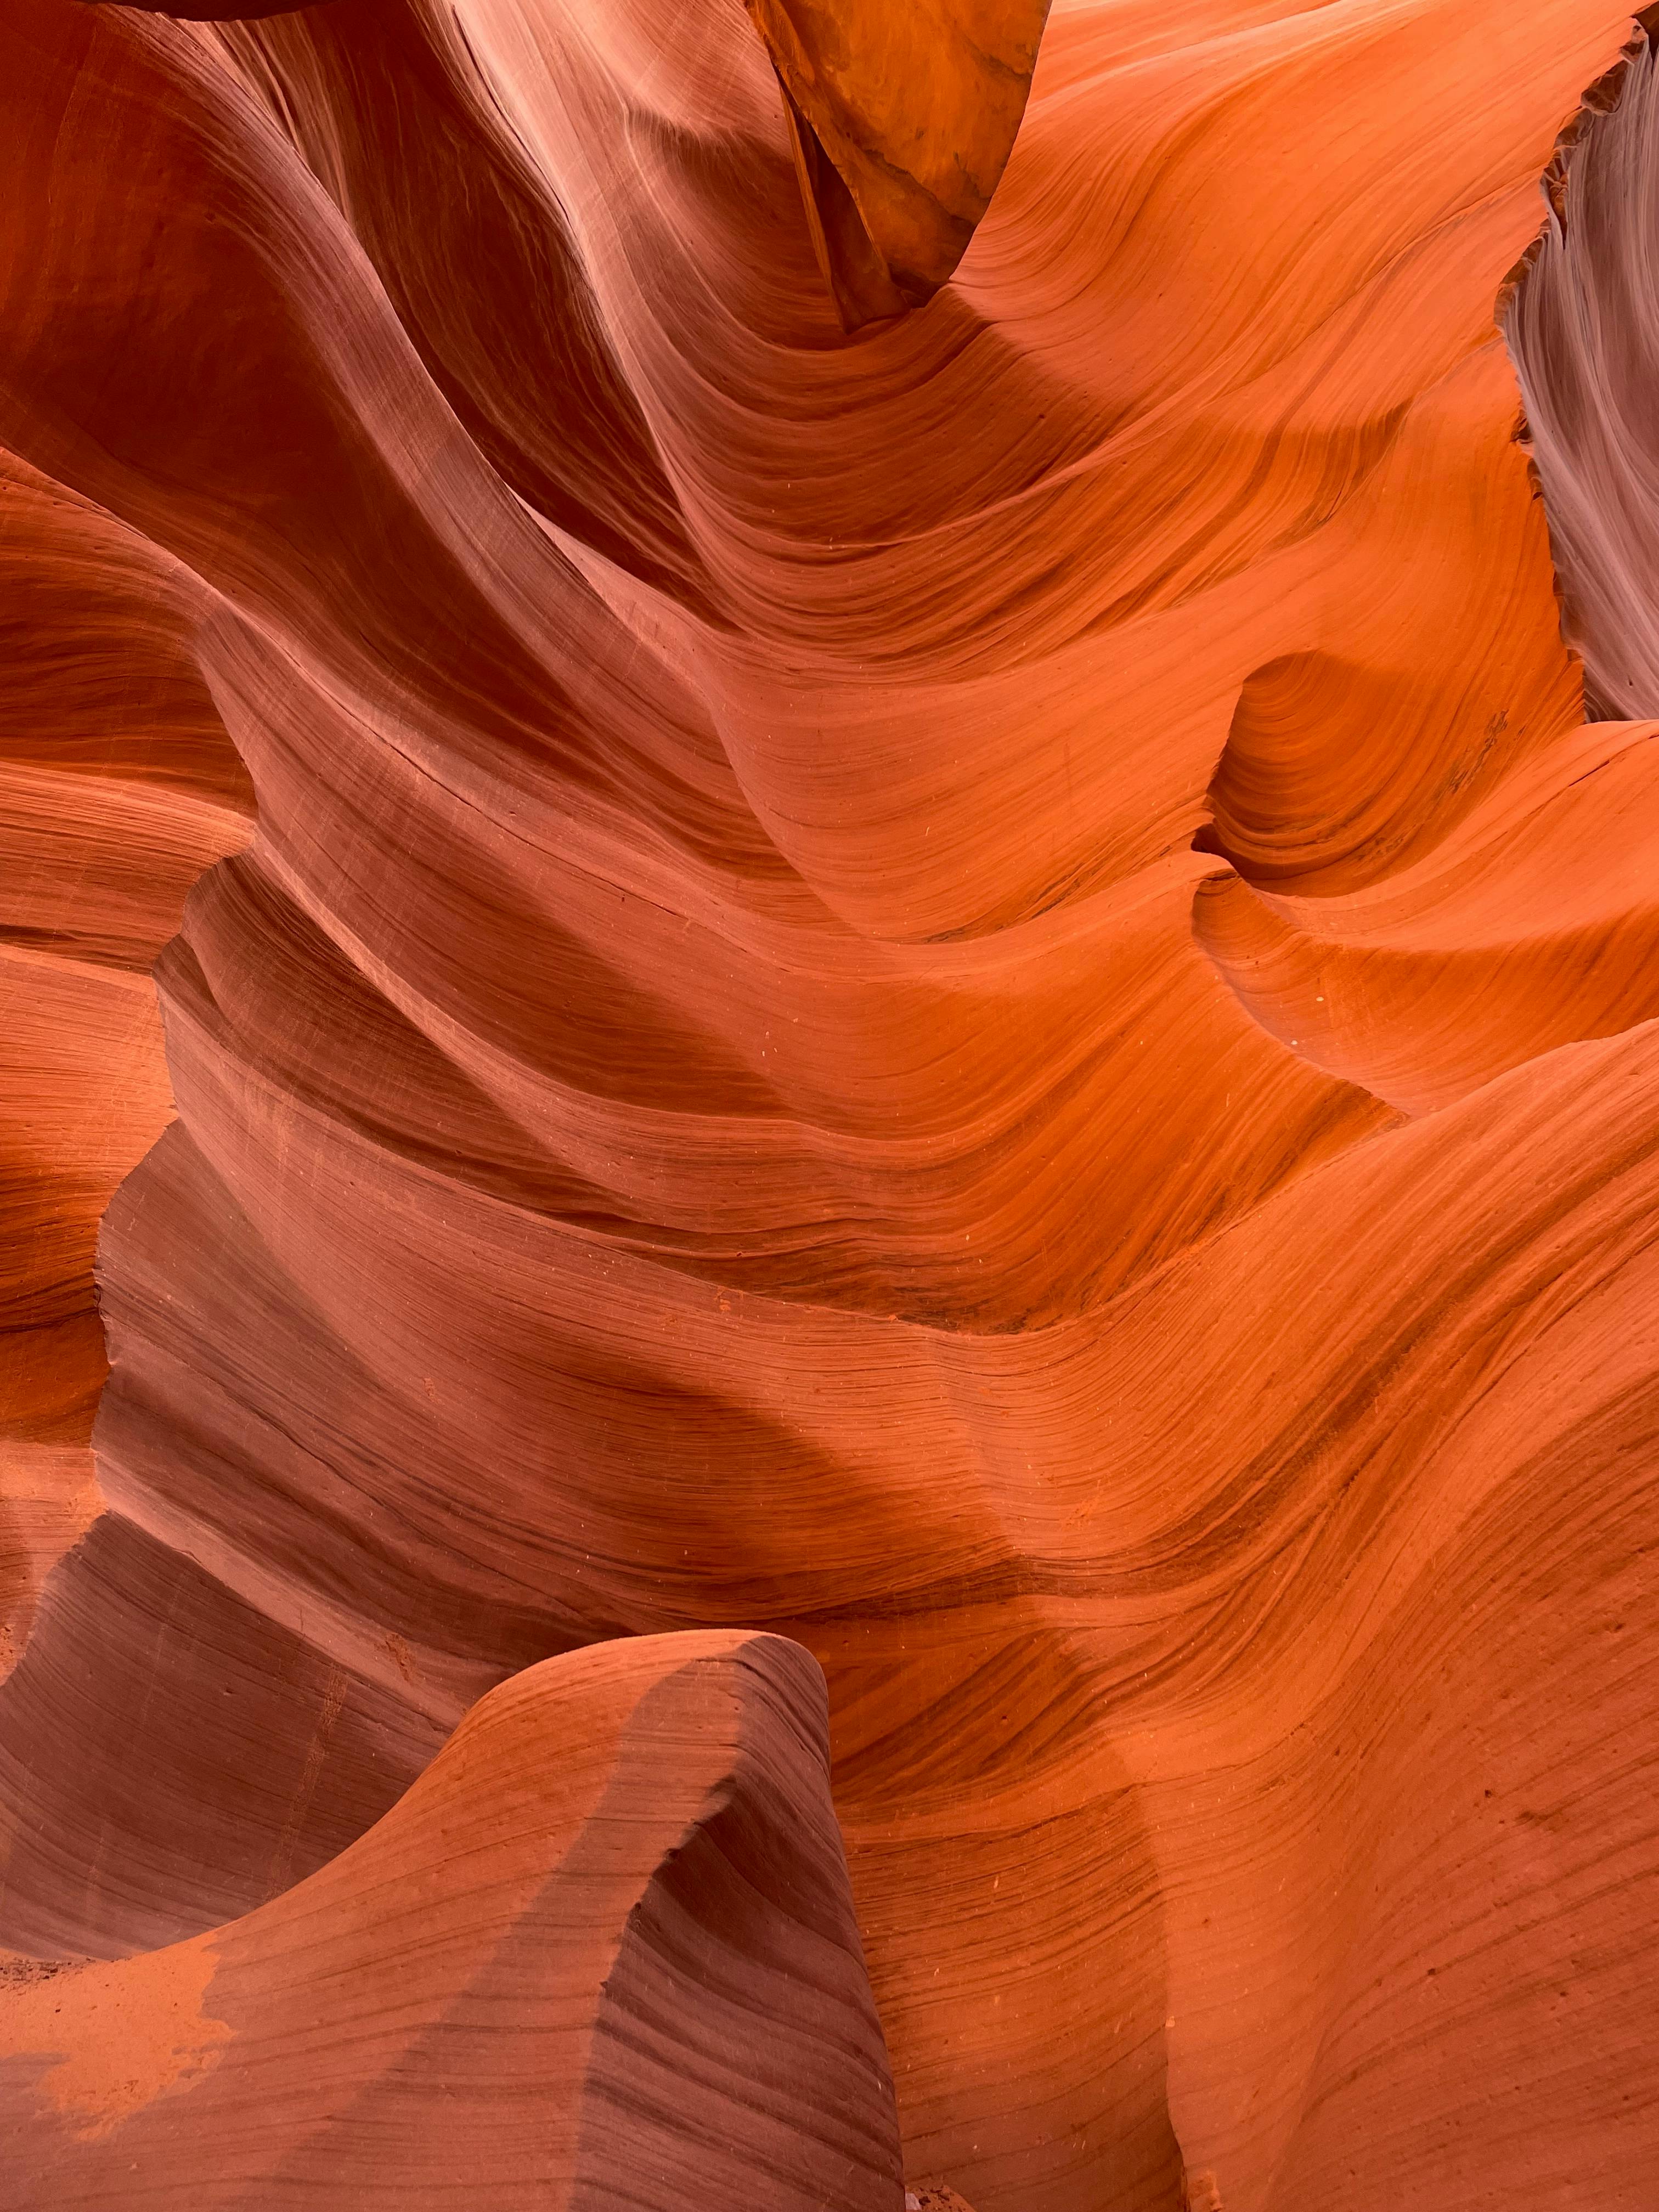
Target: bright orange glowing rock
x=969, y=991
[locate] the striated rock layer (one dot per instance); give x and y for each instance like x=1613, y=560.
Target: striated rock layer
x=936, y=961
x=1583, y=322
x=118, y=787
x=608, y=1929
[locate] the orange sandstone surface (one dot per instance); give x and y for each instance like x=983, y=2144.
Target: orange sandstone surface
x=802, y=873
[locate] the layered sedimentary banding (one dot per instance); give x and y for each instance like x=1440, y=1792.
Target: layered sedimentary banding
x=1580, y=321
x=971, y=992
x=118, y=787
x=607, y=1933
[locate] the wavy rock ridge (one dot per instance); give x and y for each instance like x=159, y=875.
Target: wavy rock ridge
x=608, y=1928
x=938, y=968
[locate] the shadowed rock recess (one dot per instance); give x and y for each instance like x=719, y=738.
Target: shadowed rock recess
x=805, y=881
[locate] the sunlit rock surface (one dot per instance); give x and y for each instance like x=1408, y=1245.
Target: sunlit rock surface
x=911, y=940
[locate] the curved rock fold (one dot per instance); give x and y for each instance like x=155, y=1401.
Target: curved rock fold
x=808, y=876
x=602, y=1951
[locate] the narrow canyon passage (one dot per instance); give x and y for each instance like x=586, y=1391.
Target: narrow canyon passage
x=883, y=914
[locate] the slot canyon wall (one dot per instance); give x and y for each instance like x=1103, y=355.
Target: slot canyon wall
x=871, y=1399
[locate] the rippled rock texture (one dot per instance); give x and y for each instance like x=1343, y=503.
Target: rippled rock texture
x=607, y=1934
x=1583, y=322
x=909, y=967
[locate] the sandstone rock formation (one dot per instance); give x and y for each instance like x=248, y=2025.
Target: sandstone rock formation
x=914, y=943
x=1581, y=323
x=607, y=1933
